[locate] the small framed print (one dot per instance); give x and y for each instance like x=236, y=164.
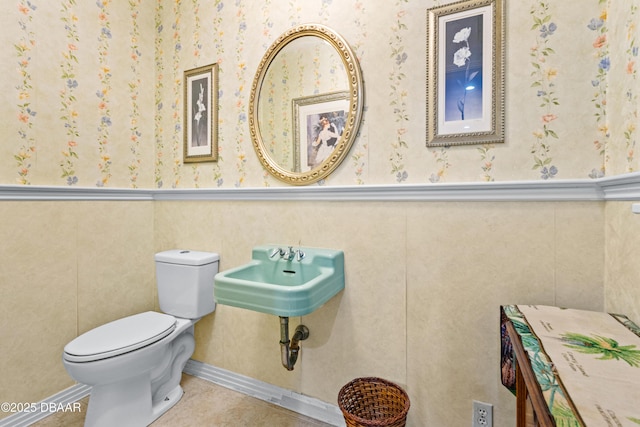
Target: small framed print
x=201, y=114
x=319, y=122
x=465, y=73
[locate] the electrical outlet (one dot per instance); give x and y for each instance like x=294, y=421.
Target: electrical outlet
x=482, y=414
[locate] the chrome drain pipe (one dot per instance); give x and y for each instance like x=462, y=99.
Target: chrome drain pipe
x=289, y=349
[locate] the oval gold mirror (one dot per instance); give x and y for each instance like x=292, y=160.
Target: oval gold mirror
x=306, y=104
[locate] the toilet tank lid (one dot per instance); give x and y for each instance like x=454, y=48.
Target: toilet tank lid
x=187, y=257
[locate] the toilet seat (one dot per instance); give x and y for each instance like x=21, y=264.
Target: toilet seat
x=120, y=336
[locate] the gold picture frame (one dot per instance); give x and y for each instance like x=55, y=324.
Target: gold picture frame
x=201, y=114
x=465, y=73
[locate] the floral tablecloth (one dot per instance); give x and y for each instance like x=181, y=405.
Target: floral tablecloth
x=587, y=363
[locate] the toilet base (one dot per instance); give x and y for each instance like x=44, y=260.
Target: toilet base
x=124, y=403
x=172, y=398
x=128, y=404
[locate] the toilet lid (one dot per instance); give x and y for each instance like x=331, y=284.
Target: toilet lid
x=120, y=336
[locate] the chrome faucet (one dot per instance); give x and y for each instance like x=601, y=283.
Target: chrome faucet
x=276, y=251
x=287, y=254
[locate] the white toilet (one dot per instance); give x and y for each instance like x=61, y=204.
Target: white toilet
x=135, y=364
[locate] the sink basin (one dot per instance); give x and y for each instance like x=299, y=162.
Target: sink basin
x=282, y=287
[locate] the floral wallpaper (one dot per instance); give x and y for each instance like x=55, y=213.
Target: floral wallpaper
x=93, y=91
x=630, y=109
x=543, y=75
x=69, y=110
x=26, y=114
x=600, y=27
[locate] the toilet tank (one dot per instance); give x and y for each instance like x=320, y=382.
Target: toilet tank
x=185, y=282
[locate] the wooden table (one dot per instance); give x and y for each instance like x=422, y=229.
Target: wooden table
x=571, y=367
x=531, y=408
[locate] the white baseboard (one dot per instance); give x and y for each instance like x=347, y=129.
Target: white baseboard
x=296, y=402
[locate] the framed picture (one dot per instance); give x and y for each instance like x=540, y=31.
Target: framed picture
x=201, y=114
x=465, y=73
x=318, y=123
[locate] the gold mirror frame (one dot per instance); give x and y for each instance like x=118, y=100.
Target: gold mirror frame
x=356, y=103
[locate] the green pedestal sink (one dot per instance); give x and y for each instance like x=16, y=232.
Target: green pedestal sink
x=286, y=285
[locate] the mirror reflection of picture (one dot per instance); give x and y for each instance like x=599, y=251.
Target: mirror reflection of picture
x=319, y=123
x=323, y=132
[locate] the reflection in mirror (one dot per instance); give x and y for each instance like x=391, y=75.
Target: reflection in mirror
x=318, y=125
x=306, y=104
x=304, y=68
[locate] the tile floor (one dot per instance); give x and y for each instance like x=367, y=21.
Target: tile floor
x=205, y=404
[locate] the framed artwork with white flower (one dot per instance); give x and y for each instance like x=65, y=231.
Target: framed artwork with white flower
x=465, y=73
x=201, y=114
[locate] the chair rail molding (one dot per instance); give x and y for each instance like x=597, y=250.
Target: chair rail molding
x=620, y=187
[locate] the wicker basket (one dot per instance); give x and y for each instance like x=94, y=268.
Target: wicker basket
x=373, y=402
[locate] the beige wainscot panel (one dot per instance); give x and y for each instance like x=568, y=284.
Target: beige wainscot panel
x=116, y=270
x=38, y=293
